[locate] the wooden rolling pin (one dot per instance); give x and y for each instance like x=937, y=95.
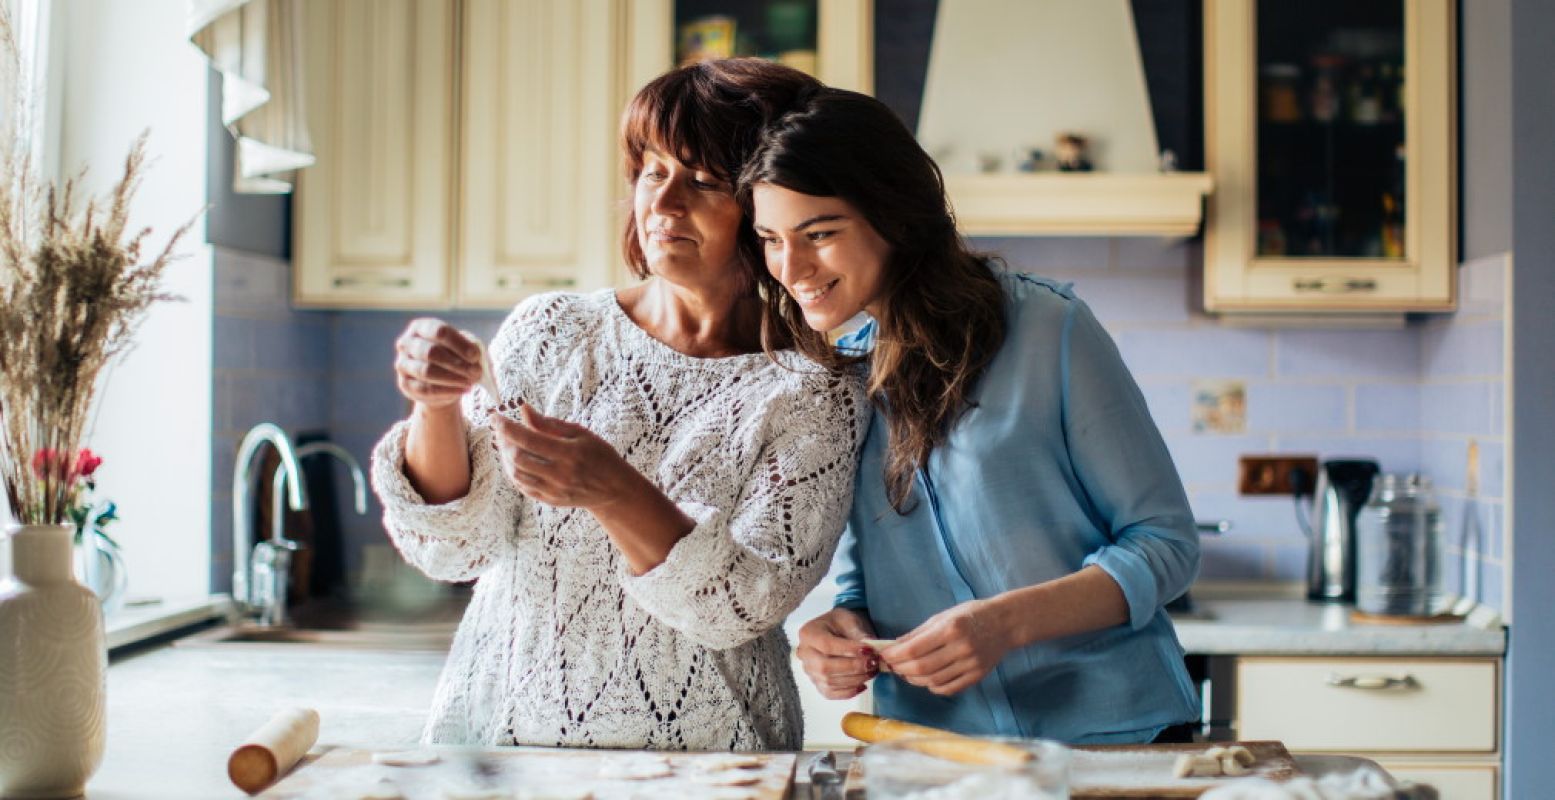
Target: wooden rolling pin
x=273, y=749
x=944, y=744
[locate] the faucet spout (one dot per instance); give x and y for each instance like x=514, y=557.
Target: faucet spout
x=358, y=479
x=242, y=486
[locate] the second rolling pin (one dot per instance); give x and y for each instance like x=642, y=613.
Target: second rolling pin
x=934, y=742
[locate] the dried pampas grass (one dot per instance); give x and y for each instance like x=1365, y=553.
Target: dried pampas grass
x=73, y=290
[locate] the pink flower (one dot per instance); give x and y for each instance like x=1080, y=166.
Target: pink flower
x=87, y=463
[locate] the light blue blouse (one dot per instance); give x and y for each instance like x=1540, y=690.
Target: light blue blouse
x=1056, y=466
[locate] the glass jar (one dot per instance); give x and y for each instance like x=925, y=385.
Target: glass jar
x=1398, y=561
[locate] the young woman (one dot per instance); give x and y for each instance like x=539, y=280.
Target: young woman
x=1017, y=523
x=650, y=496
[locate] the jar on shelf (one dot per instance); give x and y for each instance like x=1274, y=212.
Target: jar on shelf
x=1398, y=560
x=1324, y=98
x=1281, y=93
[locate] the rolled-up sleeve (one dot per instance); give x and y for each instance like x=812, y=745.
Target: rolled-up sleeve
x=1123, y=465
x=742, y=570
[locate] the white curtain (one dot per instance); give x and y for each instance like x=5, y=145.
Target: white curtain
x=257, y=47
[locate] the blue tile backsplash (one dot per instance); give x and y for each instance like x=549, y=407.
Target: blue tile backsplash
x=1411, y=397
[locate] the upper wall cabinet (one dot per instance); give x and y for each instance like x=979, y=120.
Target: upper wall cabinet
x=540, y=175
x=1329, y=133
x=373, y=217
x=466, y=151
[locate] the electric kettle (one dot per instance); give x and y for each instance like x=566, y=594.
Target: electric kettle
x=1342, y=488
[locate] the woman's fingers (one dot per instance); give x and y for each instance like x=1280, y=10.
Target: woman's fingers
x=434, y=364
x=430, y=373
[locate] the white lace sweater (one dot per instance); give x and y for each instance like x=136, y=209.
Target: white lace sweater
x=561, y=644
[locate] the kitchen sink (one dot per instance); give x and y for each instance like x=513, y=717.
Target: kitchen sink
x=420, y=638
x=345, y=626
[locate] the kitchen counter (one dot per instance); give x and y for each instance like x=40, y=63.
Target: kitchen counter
x=1265, y=621
x=175, y=713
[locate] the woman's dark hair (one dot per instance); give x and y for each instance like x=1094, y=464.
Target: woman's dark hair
x=707, y=115
x=942, y=310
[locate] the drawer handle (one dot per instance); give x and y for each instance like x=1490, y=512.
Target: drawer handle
x=1336, y=287
x=515, y=281
x=1373, y=682
x=383, y=281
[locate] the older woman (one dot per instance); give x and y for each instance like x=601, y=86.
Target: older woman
x=650, y=495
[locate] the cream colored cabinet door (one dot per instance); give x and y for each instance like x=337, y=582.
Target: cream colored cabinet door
x=372, y=217
x=540, y=187
x=1259, y=259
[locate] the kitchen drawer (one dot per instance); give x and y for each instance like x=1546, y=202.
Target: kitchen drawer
x=1450, y=782
x=1432, y=705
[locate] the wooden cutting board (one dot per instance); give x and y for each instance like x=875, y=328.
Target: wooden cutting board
x=1133, y=771
x=346, y=773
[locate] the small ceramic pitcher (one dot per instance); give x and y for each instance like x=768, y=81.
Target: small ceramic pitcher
x=53, y=670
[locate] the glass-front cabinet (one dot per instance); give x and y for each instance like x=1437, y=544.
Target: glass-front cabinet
x=830, y=39
x=1329, y=131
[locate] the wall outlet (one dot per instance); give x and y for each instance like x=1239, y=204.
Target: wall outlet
x=1276, y=474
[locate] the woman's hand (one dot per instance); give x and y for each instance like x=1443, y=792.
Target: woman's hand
x=560, y=463
x=834, y=658
x=950, y=651
x=434, y=364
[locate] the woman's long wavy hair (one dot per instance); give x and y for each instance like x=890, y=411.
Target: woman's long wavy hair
x=941, y=315
x=708, y=115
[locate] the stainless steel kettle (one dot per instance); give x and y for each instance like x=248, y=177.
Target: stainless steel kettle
x=1342, y=488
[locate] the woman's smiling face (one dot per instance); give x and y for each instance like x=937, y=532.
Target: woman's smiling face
x=823, y=251
x=688, y=221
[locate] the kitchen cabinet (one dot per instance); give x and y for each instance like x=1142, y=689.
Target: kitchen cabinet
x=1432, y=719
x=372, y=218
x=1329, y=134
x=466, y=152
x=540, y=176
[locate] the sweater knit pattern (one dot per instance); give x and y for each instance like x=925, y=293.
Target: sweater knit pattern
x=561, y=644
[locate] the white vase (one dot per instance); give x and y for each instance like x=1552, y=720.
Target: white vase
x=53, y=670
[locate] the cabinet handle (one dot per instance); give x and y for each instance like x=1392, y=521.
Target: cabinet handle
x=1373, y=682
x=1336, y=287
x=381, y=281
x=514, y=281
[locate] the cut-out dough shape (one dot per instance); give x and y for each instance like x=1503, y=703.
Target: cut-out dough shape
x=409, y=758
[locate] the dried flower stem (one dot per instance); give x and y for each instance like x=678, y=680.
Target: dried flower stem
x=73, y=291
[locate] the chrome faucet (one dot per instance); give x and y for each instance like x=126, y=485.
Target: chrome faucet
x=273, y=558
x=243, y=590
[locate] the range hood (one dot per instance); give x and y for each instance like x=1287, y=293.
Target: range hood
x=1006, y=76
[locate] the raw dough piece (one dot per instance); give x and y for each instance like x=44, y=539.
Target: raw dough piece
x=473, y=793
x=878, y=644
x=637, y=768
x=1230, y=766
x=732, y=761
x=384, y=789
x=736, y=777
x=488, y=379
x=1196, y=766
x=1242, y=755
x=555, y=794
x=408, y=758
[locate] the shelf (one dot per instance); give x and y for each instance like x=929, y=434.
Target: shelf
x=1079, y=203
